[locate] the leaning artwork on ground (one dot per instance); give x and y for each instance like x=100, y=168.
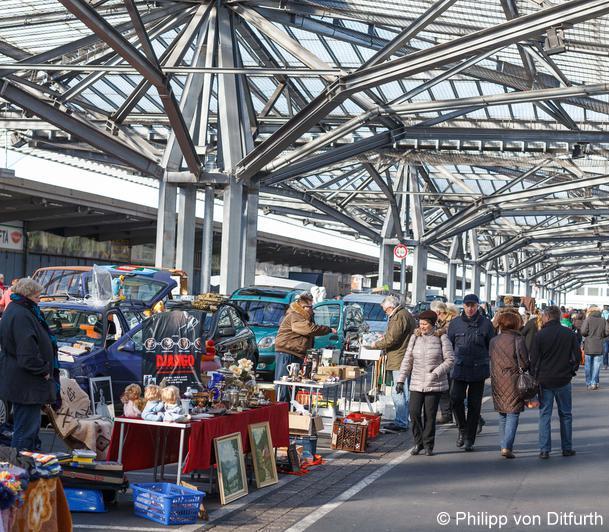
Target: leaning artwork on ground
x=231, y=467
x=102, y=400
x=263, y=457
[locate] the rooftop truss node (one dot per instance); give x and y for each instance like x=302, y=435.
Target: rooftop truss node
x=474, y=129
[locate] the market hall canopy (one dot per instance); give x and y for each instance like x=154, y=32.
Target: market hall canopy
x=473, y=130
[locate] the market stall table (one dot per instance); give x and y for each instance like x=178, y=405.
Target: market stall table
x=139, y=454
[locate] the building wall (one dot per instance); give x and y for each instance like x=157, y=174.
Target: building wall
x=597, y=294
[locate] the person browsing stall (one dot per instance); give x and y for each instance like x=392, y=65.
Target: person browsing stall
x=400, y=326
x=28, y=363
x=427, y=362
x=296, y=335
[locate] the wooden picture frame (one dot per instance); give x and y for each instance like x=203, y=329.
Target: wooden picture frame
x=232, y=480
x=263, y=455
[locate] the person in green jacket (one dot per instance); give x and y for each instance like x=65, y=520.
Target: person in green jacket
x=400, y=326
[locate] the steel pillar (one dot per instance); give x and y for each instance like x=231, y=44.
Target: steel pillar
x=498, y=288
x=463, y=279
x=185, y=254
x=451, y=282
x=207, y=240
x=419, y=274
x=166, y=226
x=386, y=266
x=250, y=239
x=488, y=287
x=509, y=285
x=230, y=253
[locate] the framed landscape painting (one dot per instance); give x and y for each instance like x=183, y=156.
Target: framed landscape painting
x=263, y=457
x=232, y=481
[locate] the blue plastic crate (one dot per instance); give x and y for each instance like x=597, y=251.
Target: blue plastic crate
x=165, y=503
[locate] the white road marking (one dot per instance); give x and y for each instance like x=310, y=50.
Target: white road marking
x=322, y=511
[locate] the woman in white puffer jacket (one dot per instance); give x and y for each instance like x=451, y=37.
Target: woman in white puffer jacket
x=428, y=361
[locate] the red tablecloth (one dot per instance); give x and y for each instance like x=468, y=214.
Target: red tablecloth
x=138, y=449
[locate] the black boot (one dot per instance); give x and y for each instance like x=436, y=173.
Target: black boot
x=460, y=439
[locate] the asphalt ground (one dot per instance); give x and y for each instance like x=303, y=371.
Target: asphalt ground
x=386, y=489
x=455, y=490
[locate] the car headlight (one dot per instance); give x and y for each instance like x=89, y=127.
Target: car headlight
x=266, y=342
x=64, y=373
x=261, y=365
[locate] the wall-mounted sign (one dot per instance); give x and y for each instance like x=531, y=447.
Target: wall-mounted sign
x=11, y=238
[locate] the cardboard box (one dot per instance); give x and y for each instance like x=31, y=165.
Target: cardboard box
x=353, y=372
x=370, y=354
x=299, y=424
x=331, y=371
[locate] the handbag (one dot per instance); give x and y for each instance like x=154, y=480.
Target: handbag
x=525, y=384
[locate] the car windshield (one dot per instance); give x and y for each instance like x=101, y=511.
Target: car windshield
x=373, y=311
x=263, y=313
x=71, y=326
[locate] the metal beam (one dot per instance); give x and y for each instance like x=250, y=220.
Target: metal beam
x=147, y=67
x=80, y=129
x=443, y=54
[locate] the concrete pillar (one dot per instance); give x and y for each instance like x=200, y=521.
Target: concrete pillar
x=230, y=254
x=185, y=252
x=498, y=288
x=386, y=261
x=250, y=240
x=451, y=282
x=419, y=274
x=166, y=226
x=488, y=287
x=207, y=240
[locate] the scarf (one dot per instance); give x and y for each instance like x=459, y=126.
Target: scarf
x=35, y=310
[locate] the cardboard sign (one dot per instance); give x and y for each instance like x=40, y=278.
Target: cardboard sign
x=11, y=238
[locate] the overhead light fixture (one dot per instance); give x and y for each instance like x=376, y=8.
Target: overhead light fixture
x=555, y=41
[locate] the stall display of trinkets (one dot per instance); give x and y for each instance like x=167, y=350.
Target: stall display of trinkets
x=13, y=484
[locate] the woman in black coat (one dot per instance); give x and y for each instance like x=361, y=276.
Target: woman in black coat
x=28, y=362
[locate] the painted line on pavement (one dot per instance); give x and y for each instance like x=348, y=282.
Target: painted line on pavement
x=322, y=511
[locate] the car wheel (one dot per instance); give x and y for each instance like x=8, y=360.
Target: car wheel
x=3, y=412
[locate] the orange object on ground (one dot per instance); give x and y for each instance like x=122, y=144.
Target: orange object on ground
x=374, y=422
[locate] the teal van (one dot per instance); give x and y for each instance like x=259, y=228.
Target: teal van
x=266, y=307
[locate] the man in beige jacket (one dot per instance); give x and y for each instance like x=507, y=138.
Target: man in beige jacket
x=400, y=326
x=296, y=335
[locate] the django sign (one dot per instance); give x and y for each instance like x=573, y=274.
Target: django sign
x=11, y=238
x=172, y=343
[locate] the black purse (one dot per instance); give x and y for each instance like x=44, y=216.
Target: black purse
x=526, y=384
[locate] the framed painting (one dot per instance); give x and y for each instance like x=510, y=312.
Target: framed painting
x=102, y=400
x=232, y=481
x=263, y=457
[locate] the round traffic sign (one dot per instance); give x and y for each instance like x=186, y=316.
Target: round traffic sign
x=400, y=251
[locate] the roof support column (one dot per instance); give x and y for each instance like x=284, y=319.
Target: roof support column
x=451, y=280
x=207, y=240
x=166, y=226
x=235, y=131
x=419, y=266
x=386, y=266
x=488, y=287
x=185, y=255
x=476, y=269
x=250, y=239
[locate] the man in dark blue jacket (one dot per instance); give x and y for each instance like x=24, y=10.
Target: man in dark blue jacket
x=470, y=335
x=554, y=361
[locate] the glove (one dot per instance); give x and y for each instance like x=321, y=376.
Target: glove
x=399, y=387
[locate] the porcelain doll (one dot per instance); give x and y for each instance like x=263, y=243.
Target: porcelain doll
x=154, y=408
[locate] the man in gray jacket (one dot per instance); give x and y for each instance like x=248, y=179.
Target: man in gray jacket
x=400, y=327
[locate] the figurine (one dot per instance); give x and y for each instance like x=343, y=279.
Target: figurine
x=173, y=408
x=154, y=404
x=132, y=401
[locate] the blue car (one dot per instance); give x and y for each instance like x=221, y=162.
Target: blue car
x=119, y=341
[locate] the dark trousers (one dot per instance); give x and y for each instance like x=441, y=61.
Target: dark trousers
x=445, y=407
x=423, y=408
x=474, y=391
x=26, y=425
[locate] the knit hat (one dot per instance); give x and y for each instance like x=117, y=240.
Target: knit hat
x=429, y=315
